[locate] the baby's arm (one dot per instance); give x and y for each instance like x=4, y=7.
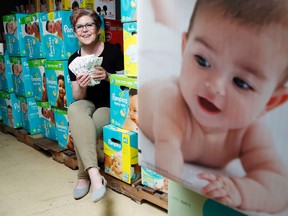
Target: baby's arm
x=161, y=119
x=265, y=186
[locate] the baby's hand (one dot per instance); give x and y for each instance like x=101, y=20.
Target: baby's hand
x=221, y=189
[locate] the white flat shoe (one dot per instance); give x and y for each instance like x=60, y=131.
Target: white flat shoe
x=99, y=193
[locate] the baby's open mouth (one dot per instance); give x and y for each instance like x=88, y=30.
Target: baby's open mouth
x=207, y=105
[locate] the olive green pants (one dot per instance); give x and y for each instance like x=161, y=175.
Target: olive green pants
x=86, y=125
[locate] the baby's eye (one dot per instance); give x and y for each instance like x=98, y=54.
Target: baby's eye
x=241, y=84
x=202, y=61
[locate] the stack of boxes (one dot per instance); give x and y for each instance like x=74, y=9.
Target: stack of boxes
x=34, y=82
x=40, y=94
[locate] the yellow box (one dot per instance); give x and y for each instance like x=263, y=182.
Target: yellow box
x=130, y=49
x=121, y=153
x=73, y=4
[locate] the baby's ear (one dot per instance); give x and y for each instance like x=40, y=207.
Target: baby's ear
x=279, y=97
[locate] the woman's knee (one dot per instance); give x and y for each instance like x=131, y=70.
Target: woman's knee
x=79, y=107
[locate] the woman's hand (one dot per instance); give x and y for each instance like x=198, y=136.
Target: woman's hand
x=100, y=74
x=83, y=79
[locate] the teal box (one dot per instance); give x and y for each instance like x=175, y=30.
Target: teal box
x=128, y=10
x=59, y=39
x=62, y=127
x=10, y=110
x=121, y=153
x=21, y=76
x=192, y=203
x=31, y=34
x=154, y=180
x=29, y=115
x=13, y=34
x=6, y=77
x=124, y=102
x=59, y=87
x=47, y=120
x=38, y=79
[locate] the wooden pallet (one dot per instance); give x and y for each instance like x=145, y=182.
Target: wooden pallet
x=46, y=145
x=136, y=191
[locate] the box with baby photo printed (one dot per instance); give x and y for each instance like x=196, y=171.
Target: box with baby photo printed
x=58, y=38
x=21, y=76
x=6, y=76
x=32, y=35
x=10, y=109
x=13, y=34
x=38, y=79
x=58, y=84
x=121, y=153
x=29, y=115
x=47, y=120
x=124, y=102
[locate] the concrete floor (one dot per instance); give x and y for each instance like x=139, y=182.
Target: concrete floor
x=32, y=183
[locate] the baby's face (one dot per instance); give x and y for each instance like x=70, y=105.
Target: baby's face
x=61, y=88
x=133, y=108
x=117, y=163
x=11, y=27
x=10, y=114
x=229, y=71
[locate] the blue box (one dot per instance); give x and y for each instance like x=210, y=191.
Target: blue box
x=29, y=115
x=122, y=114
x=61, y=44
x=62, y=129
x=59, y=95
x=128, y=10
x=32, y=35
x=13, y=34
x=21, y=76
x=6, y=77
x=38, y=79
x=10, y=110
x=47, y=120
x=121, y=153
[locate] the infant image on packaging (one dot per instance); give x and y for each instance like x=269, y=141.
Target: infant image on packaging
x=61, y=98
x=213, y=116
x=131, y=121
x=113, y=164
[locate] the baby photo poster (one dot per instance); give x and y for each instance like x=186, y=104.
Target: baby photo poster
x=213, y=110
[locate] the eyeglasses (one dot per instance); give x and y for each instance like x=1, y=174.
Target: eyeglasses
x=88, y=26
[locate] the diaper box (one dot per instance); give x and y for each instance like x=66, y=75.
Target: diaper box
x=6, y=77
x=114, y=32
x=38, y=79
x=47, y=120
x=13, y=34
x=10, y=109
x=76, y=4
x=130, y=49
x=153, y=180
x=121, y=153
x=59, y=39
x=29, y=115
x=62, y=130
x=106, y=8
x=128, y=10
x=124, y=102
x=31, y=34
x=59, y=87
x=21, y=76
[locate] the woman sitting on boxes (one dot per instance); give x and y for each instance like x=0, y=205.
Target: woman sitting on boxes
x=91, y=110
